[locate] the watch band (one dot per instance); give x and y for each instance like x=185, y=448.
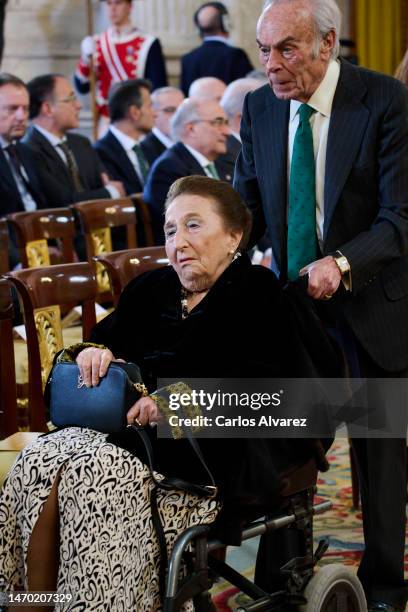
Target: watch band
x=341, y=262
x=344, y=267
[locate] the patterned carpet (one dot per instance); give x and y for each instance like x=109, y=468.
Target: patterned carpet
x=342, y=525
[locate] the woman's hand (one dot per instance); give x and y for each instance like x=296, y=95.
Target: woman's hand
x=93, y=364
x=143, y=411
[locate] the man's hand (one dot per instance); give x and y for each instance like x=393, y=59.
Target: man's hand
x=324, y=278
x=144, y=411
x=118, y=185
x=87, y=48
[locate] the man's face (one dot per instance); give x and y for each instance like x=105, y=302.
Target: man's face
x=287, y=41
x=146, y=116
x=64, y=106
x=165, y=107
x=118, y=11
x=208, y=134
x=14, y=109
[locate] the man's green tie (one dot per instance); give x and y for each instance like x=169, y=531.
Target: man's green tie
x=143, y=163
x=302, y=242
x=211, y=168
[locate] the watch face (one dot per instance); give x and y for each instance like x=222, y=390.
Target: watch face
x=342, y=264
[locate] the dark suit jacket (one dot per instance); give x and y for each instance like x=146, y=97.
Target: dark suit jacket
x=56, y=183
x=365, y=201
x=152, y=147
x=117, y=163
x=214, y=58
x=10, y=199
x=174, y=163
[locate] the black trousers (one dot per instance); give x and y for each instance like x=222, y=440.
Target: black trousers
x=382, y=467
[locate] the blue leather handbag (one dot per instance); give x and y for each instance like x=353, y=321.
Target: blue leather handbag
x=103, y=407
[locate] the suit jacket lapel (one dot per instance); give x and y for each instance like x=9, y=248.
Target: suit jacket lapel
x=188, y=159
x=31, y=173
x=122, y=157
x=347, y=126
x=274, y=151
x=49, y=151
x=6, y=174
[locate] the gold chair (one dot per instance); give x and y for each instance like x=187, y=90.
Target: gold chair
x=123, y=266
x=43, y=293
x=33, y=230
x=96, y=219
x=144, y=218
x=8, y=391
x=4, y=244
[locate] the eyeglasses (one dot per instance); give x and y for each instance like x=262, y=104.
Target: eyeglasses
x=217, y=122
x=68, y=100
x=169, y=110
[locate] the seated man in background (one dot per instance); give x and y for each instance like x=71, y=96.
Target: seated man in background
x=19, y=184
x=132, y=116
x=69, y=169
x=207, y=88
x=232, y=102
x=200, y=130
x=166, y=101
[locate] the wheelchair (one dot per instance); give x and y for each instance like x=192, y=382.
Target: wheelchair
x=334, y=588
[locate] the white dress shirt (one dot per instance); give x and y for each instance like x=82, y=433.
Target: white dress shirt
x=202, y=160
x=321, y=101
x=165, y=140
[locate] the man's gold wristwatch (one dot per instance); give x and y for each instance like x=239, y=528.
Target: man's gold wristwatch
x=341, y=262
x=345, y=270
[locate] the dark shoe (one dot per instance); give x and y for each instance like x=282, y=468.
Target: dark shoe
x=379, y=606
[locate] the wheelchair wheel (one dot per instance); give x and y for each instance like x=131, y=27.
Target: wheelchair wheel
x=334, y=588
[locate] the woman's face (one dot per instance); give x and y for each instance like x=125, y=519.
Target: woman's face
x=198, y=245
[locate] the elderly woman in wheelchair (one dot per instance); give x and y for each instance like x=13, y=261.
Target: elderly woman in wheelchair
x=75, y=511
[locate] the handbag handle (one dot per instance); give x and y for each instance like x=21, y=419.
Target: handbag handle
x=168, y=484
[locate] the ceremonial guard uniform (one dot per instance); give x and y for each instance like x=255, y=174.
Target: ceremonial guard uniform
x=117, y=57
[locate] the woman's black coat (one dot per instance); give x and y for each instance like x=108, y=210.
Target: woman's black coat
x=246, y=326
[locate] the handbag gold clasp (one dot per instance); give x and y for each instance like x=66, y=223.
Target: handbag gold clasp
x=141, y=388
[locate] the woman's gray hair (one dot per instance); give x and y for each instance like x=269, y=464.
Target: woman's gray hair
x=187, y=112
x=326, y=17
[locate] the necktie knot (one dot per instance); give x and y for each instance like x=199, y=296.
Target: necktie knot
x=212, y=169
x=305, y=112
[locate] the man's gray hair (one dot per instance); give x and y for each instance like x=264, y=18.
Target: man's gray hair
x=233, y=99
x=326, y=17
x=162, y=91
x=187, y=112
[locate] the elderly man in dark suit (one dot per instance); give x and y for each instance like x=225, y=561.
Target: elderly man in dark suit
x=324, y=164
x=200, y=130
x=69, y=169
x=166, y=101
x=216, y=57
x=19, y=185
